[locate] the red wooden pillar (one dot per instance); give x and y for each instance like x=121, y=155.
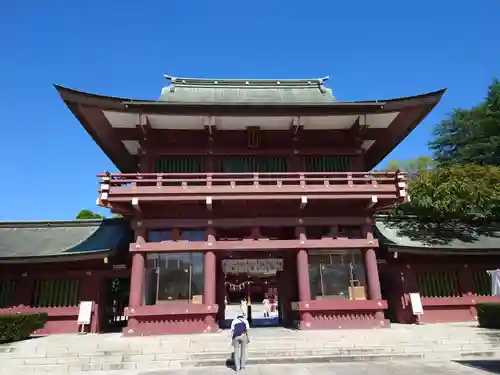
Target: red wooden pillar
x=210, y=282
x=209, y=278
x=409, y=285
x=466, y=285
x=90, y=286
x=220, y=294
x=137, y=278
x=372, y=276
x=24, y=290
x=304, y=287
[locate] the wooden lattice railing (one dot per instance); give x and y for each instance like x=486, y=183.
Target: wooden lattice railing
x=231, y=180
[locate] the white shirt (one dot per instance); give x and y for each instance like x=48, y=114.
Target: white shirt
x=237, y=320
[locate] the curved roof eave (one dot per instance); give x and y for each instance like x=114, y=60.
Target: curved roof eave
x=58, y=240
x=77, y=101
x=413, y=109
x=99, y=254
x=112, y=102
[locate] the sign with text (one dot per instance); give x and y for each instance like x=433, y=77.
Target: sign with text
x=252, y=266
x=416, y=304
x=84, y=312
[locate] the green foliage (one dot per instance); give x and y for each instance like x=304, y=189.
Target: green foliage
x=87, y=215
x=488, y=315
x=460, y=192
x=412, y=166
x=116, y=216
x=15, y=327
x=470, y=136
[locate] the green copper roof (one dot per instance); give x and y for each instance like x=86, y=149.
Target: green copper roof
x=414, y=234
x=49, y=239
x=195, y=90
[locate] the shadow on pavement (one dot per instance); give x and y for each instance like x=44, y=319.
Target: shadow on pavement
x=489, y=365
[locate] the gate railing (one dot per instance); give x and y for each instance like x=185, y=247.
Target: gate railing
x=257, y=179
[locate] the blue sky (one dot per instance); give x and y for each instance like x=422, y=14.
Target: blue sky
x=370, y=50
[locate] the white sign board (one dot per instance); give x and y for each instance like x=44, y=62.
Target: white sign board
x=495, y=282
x=416, y=304
x=84, y=312
x=252, y=266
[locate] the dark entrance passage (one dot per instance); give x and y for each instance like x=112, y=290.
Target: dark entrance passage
x=251, y=288
x=116, y=293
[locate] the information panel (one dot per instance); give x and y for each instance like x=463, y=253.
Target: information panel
x=84, y=312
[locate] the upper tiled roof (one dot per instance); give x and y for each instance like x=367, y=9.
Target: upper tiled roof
x=192, y=90
x=55, y=238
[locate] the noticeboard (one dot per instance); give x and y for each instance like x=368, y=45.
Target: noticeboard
x=84, y=312
x=416, y=304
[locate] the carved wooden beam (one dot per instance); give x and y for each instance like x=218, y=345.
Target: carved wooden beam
x=258, y=245
x=250, y=222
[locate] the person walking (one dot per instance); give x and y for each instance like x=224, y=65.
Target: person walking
x=267, y=306
x=240, y=339
x=244, y=307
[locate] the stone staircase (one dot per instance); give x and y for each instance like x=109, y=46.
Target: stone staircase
x=71, y=354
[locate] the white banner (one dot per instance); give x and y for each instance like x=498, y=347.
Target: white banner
x=495, y=282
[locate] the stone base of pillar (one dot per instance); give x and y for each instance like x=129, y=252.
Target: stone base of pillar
x=210, y=324
x=305, y=321
x=171, y=319
x=340, y=314
x=138, y=328
x=326, y=324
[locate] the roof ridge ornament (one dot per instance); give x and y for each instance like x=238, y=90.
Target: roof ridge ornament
x=242, y=81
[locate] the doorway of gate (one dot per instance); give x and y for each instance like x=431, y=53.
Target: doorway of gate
x=252, y=289
x=116, y=292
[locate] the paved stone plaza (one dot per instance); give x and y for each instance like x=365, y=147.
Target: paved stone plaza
x=373, y=350
x=372, y=368
x=387, y=368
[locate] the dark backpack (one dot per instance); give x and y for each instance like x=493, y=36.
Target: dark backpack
x=240, y=328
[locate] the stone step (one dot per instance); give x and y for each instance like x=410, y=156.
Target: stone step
x=124, y=345
x=69, y=354
x=171, y=353
x=74, y=368
x=473, y=354
x=254, y=352
x=209, y=352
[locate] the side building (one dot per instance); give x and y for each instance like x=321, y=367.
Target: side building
x=446, y=263
x=51, y=266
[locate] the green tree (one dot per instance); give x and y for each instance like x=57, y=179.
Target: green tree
x=87, y=215
x=470, y=136
x=460, y=192
x=412, y=166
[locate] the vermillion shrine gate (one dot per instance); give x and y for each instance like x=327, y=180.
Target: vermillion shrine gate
x=247, y=189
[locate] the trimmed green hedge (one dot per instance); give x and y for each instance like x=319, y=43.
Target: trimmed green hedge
x=488, y=314
x=15, y=327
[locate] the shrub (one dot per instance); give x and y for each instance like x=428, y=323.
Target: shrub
x=15, y=327
x=488, y=314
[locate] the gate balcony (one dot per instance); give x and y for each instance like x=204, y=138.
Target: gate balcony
x=127, y=192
